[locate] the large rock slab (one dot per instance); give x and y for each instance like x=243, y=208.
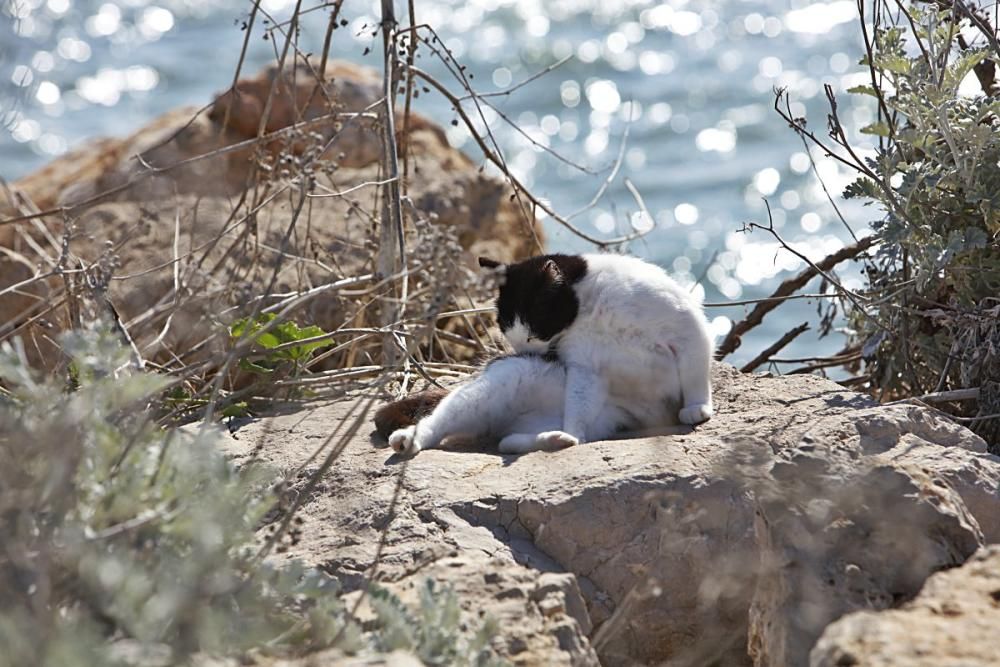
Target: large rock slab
x=952, y=623
x=662, y=539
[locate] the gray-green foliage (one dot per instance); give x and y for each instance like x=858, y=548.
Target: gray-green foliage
x=112, y=528
x=936, y=274
x=434, y=631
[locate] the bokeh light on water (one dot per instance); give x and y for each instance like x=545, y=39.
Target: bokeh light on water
x=692, y=79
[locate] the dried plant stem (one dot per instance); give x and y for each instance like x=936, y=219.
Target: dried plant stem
x=830, y=362
x=771, y=299
x=392, y=243
x=518, y=186
x=517, y=86
x=411, y=51
x=331, y=25
x=239, y=64
x=606, y=183
x=971, y=394
x=973, y=419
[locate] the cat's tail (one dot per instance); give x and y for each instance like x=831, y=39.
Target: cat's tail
x=407, y=411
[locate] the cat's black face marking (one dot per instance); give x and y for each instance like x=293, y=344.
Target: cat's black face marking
x=539, y=294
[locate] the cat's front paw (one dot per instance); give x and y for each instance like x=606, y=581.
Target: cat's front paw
x=552, y=440
x=696, y=414
x=403, y=441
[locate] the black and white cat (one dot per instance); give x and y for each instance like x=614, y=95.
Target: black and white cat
x=604, y=343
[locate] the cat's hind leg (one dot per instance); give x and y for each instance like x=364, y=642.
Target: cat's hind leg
x=553, y=440
x=512, y=385
x=547, y=441
x=694, y=367
x=540, y=432
x=536, y=431
x=518, y=443
x=602, y=426
x=586, y=396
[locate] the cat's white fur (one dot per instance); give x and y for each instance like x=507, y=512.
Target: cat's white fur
x=637, y=356
x=518, y=400
x=640, y=338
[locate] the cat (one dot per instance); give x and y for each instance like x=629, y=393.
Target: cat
x=605, y=344
x=516, y=399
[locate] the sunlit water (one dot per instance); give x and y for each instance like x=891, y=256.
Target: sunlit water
x=705, y=146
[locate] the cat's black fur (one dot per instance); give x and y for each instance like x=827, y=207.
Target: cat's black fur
x=540, y=292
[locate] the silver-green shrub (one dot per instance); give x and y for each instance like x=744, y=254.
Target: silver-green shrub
x=115, y=531
x=934, y=282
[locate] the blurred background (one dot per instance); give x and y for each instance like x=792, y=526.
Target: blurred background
x=693, y=81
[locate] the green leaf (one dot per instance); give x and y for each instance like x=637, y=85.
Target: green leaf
x=279, y=334
x=864, y=90
x=879, y=128
x=240, y=409
x=255, y=367
x=269, y=339
x=893, y=63
x=240, y=327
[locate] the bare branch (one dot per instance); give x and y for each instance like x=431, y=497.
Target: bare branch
x=787, y=287
x=774, y=348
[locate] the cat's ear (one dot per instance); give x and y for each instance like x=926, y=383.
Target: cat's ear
x=488, y=263
x=553, y=273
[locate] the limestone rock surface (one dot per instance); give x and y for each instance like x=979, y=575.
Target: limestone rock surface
x=835, y=541
x=952, y=622
x=735, y=544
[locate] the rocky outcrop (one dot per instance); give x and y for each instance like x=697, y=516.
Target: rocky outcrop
x=189, y=218
x=737, y=544
x=834, y=539
x=953, y=621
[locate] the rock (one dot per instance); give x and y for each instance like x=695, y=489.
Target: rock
x=536, y=630
x=833, y=541
x=348, y=90
x=648, y=550
x=326, y=658
x=181, y=235
x=858, y=514
x=904, y=434
x=953, y=621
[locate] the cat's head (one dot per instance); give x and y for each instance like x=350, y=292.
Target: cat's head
x=537, y=299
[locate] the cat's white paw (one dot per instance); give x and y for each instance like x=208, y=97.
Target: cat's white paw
x=552, y=440
x=696, y=414
x=518, y=443
x=403, y=441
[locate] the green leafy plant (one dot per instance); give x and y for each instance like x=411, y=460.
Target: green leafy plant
x=285, y=342
x=929, y=322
